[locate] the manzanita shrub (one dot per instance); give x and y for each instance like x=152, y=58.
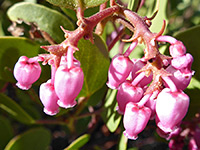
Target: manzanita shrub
x=100, y=74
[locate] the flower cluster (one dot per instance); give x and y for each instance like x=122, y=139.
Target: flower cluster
x=148, y=88
x=64, y=86
x=152, y=88
x=66, y=74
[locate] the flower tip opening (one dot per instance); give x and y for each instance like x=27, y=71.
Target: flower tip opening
x=131, y=137
x=23, y=87
x=50, y=112
x=64, y=105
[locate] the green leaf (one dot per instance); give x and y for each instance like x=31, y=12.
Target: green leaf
x=79, y=142
x=11, y=48
x=194, y=83
x=193, y=92
x=73, y=4
x=34, y=139
x=1, y=21
x=97, y=96
x=46, y=19
x=123, y=142
x=133, y=4
x=82, y=124
x=190, y=38
x=31, y=1
x=157, y=22
x=94, y=62
x=110, y=116
x=14, y=110
x=2, y=84
x=6, y=132
x=133, y=148
x=28, y=102
x=70, y=13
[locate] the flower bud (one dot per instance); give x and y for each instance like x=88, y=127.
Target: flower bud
x=182, y=62
x=49, y=98
x=177, y=49
x=26, y=73
x=128, y=93
x=171, y=108
x=119, y=70
x=68, y=84
x=180, y=79
x=135, y=120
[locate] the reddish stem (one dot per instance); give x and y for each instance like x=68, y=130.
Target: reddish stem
x=138, y=79
x=70, y=57
x=114, y=41
x=53, y=72
x=131, y=48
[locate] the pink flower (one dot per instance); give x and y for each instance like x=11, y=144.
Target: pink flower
x=171, y=108
x=183, y=62
x=26, y=72
x=49, y=98
x=177, y=49
x=68, y=84
x=119, y=70
x=180, y=79
x=139, y=64
x=135, y=119
x=128, y=93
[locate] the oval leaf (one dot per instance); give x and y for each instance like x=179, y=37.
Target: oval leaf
x=34, y=139
x=14, y=110
x=6, y=132
x=11, y=48
x=73, y=4
x=94, y=62
x=98, y=96
x=110, y=116
x=79, y=142
x=46, y=19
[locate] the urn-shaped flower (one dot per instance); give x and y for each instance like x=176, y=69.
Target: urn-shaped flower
x=177, y=49
x=119, y=70
x=26, y=72
x=180, y=79
x=135, y=119
x=171, y=108
x=128, y=93
x=68, y=84
x=49, y=98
